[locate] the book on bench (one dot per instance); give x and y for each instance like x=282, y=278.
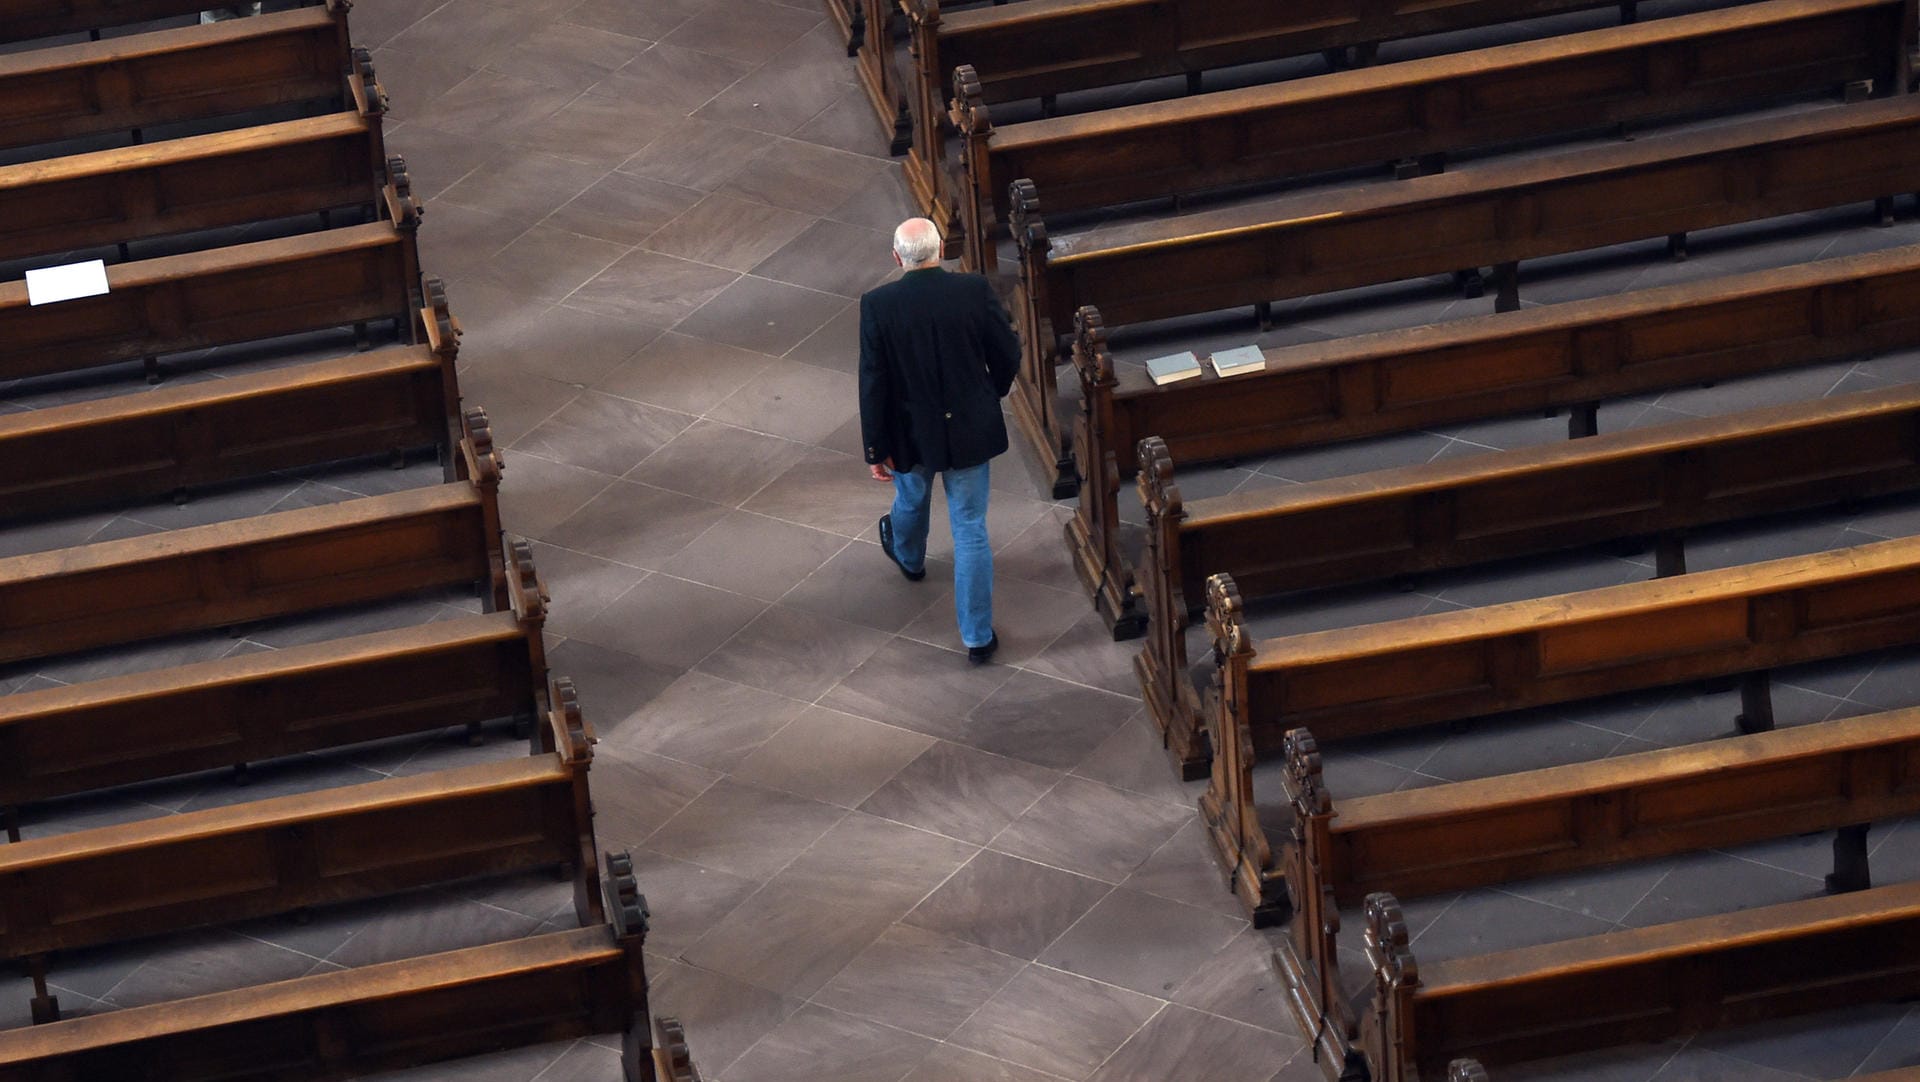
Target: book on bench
x=1174, y=368
x=1238, y=360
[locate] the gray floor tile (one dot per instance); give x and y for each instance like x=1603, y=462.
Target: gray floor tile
x=745, y=30
x=684, y=374
x=623, y=209
x=1092, y=829
x=962, y=793
x=1141, y=942
x=820, y=1045
x=1006, y=904
x=685, y=899
x=793, y=653
x=724, y=1017
x=650, y=288
x=723, y=231
x=602, y=433
x=762, y=315
x=831, y=757
x=917, y=686
x=786, y=398
x=1056, y=1022
x=1046, y=721
x=670, y=622
x=919, y=981
x=754, y=555
x=744, y=830
x=859, y=585
x=1181, y=1044
x=947, y=1063
x=636, y=524
x=705, y=720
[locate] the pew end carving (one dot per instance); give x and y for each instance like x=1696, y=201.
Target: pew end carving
x=369, y=97
x=569, y=735
x=1308, y=956
x=1227, y=807
x=673, y=1060
x=1036, y=397
x=480, y=464
x=1093, y=533
x=973, y=209
x=1163, y=667
x=1386, y=1034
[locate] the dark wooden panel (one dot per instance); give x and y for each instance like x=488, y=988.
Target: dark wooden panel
x=21, y=20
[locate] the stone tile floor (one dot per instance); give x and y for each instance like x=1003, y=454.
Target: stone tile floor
x=867, y=860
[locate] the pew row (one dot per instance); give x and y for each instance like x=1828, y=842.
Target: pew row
x=128, y=83
x=1649, y=483
x=286, y=563
x=170, y=441
x=224, y=296
x=24, y=20
x=1451, y=666
x=235, y=711
x=339, y=1025
x=1570, y=355
x=1493, y=215
x=1837, y=776
x=1043, y=48
x=1633, y=986
x=313, y=165
x=1419, y=111
x=286, y=854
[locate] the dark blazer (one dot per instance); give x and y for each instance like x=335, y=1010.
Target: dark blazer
x=936, y=357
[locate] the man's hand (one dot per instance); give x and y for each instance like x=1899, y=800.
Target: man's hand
x=882, y=471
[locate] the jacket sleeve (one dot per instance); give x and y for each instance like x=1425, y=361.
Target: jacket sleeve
x=876, y=389
x=1003, y=346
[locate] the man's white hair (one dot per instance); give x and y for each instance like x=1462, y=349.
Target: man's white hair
x=917, y=242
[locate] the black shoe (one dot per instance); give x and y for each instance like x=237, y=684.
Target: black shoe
x=886, y=546
x=980, y=655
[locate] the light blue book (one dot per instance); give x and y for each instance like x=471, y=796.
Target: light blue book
x=1174, y=368
x=1233, y=362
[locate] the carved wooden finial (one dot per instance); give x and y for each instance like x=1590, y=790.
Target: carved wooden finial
x=339, y=7
x=442, y=329
x=1090, y=354
x=969, y=107
x=1306, y=785
x=376, y=95
x=1029, y=230
x=530, y=595
x=1386, y=943
x=1226, y=621
x=488, y=464
x=577, y=746
x=405, y=211
x=1158, y=492
x=670, y=1037
x=625, y=902
x=1466, y=1070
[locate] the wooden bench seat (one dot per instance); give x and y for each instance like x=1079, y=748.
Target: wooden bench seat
x=241, y=293
x=1421, y=110
x=1492, y=215
x=24, y=20
x=285, y=854
x=1838, y=776
x=228, y=713
x=1566, y=355
x=1043, y=48
x=337, y=1025
x=132, y=447
x=281, y=564
x=1636, y=985
x=128, y=83
x=270, y=171
x=1401, y=674
x=1648, y=483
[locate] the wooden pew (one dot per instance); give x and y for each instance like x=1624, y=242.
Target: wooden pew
x=131, y=447
x=1492, y=216
x=338, y=1025
x=1649, y=483
x=1042, y=48
x=1636, y=985
x=307, y=166
x=289, y=562
x=234, y=711
x=24, y=20
x=673, y=1060
x=128, y=83
x=1835, y=776
x=1401, y=674
x=242, y=293
x=1567, y=355
x=286, y=854
x=1419, y=111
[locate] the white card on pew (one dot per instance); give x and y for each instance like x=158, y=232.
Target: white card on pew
x=50, y=285
x=1232, y=362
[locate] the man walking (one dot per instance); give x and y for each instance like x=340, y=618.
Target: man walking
x=936, y=357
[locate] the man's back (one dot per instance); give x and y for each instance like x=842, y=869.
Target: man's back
x=936, y=356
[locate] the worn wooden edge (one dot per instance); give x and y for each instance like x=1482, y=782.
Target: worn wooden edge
x=157, y=43
x=300, y=995
x=1587, y=606
x=1448, y=474
x=526, y=592
x=285, y=811
x=1677, y=31
x=191, y=396
x=1295, y=212
x=191, y=148
x=443, y=331
x=221, y=536
x=573, y=737
x=259, y=254
x=1639, y=769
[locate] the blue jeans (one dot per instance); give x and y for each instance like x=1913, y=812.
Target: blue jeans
x=972, y=555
